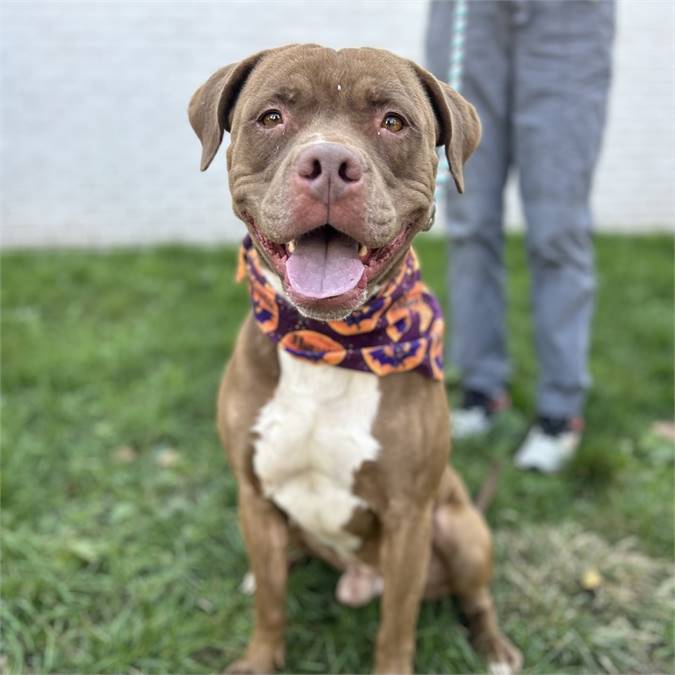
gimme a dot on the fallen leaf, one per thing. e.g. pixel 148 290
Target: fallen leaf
pixel 591 579
pixel 84 549
pixel 205 605
pixel 664 430
pixel 168 458
pixel 125 455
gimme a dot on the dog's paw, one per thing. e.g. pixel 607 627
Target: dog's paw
pixel 247 585
pixel 245 666
pixel 504 657
pixel 242 667
pixel 393 667
pixel 258 660
pixel 358 585
pixel 499 668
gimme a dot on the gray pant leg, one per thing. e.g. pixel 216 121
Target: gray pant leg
pixel 476 272
pixel 437 38
pixel 562 67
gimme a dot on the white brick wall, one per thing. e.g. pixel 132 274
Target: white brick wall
pixel 96 148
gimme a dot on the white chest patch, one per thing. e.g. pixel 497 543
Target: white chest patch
pixel 313 436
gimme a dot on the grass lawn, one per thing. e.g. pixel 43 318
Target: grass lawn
pixel 121 549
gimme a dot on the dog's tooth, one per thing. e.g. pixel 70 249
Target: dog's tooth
pixel 291 246
pixel 363 251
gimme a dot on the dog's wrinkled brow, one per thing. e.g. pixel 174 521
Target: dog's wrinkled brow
pixel 374 93
pixel 286 94
pixel 381 96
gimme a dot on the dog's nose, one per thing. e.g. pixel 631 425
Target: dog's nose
pixel 329 170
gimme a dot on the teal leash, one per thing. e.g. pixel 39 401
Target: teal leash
pixel 457 44
pixel 443 178
pixel 455 73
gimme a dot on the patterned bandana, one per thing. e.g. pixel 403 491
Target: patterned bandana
pixel 399 329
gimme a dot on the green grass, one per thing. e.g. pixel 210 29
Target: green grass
pixel 121 549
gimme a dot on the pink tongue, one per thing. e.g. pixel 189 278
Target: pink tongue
pixel 325 263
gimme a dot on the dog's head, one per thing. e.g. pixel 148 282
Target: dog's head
pixel 332 162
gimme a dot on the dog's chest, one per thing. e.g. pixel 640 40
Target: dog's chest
pixel 312 437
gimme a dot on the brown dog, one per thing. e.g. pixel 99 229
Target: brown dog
pixel 332 165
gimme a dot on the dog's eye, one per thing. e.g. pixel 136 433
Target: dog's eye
pixel 270 118
pixel 393 123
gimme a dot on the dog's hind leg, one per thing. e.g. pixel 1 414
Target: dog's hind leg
pixel 462 545
pixel 478 608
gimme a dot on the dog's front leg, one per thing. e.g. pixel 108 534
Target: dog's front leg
pixel 266 535
pixel 404 557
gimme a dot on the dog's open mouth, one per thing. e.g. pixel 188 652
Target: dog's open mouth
pixel 325 268
pixel 324 263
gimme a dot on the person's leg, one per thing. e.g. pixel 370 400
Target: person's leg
pixel 562 68
pixel 438 37
pixel 476 271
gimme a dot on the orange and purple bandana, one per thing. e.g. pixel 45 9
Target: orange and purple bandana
pixel 399 329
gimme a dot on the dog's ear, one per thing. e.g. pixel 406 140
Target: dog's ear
pixel 212 104
pixel 458 123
